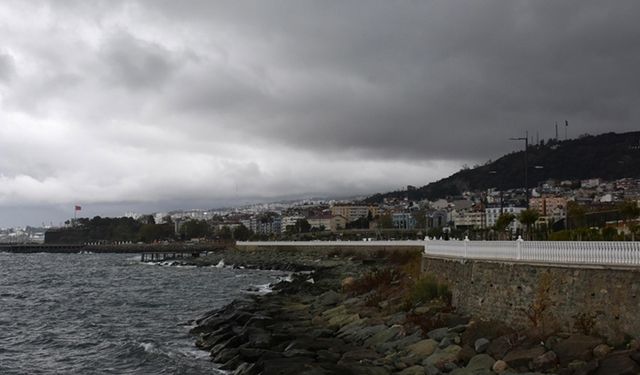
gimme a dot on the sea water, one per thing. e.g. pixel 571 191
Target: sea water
pixel 109 313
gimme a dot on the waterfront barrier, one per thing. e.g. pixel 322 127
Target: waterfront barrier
pixel 588 253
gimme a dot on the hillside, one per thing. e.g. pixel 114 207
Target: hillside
pixel 609 156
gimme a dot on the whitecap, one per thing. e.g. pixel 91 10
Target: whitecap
pixel 261 289
pixel 149 347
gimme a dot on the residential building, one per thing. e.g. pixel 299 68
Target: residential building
pixel 437 219
pixel 469 219
pixel 288 221
pixel 320 222
pixel 546 205
pixel 338 222
pixel 354 212
pixel 493 213
pixel 403 220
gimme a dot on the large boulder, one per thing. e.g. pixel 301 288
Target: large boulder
pixel 521 358
pixel 423 348
pixel 384 336
pixel 499 366
pixel 438 334
pixel 413 370
pixel 481 362
pixel 499 347
pixel 481 345
pixel 576 347
pixel 443 356
pixel 329 298
pixel 545 362
pixel 619 364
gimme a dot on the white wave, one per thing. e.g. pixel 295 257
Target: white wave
pixel 149 347
pixel 286 279
pixel 220 264
pixel 261 289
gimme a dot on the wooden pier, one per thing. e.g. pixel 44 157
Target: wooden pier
pixel 165 256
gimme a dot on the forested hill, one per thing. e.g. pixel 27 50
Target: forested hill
pixel 608 156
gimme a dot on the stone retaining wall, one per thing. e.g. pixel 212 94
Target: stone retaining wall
pixel 554 298
pixel 327 249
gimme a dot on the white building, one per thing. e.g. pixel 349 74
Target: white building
pixel 288 221
pixel 493 213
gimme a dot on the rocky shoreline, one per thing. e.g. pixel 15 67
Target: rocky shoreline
pixel 320 323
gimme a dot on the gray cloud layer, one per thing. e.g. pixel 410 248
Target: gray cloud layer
pixel 161 101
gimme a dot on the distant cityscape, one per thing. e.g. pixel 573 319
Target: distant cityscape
pixel 593 204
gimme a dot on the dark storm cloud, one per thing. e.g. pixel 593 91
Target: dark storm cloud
pixel 137 64
pixel 451 79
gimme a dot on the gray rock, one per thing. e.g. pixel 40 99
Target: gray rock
pixel 399 343
pixel 413 370
pixel 438 334
pixel 576 347
pixel 480 362
pixel 420 310
pixel 500 366
pixel 449 366
pixel 328 356
pixel 329 298
pixel 465 371
pixel 545 362
pixel 246 369
pixel 601 351
pixel 442 356
pixel 447 341
pixel 523 357
pixel 431 370
pixel 458 329
pixel 499 347
pixel 365 333
pixel 619 364
pixel 384 336
pixel 359 355
pixel 397 318
pixel 423 348
pixel 481 345
pixel 588 368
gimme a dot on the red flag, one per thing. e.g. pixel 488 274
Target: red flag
pixel 78 208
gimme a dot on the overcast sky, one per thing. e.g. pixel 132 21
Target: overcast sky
pixel 154 105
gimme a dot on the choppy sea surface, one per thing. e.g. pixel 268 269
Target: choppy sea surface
pixel 109 313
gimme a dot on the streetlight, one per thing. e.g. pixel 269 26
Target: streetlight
pixel 526 161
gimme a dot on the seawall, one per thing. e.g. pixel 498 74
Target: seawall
pixel 346 247
pixel 570 299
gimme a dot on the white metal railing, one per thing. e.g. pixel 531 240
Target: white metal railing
pixel 602 253
pixel 331 243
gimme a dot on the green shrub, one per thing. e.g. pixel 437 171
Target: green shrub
pixel 373 280
pixel 427 289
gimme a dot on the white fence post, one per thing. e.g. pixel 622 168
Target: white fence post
pixel 466 247
pixel 519 242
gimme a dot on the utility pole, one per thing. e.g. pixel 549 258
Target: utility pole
pixel 526 164
pixel 556 131
pixel 566 125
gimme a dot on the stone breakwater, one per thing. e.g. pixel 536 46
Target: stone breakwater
pixel 311 326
